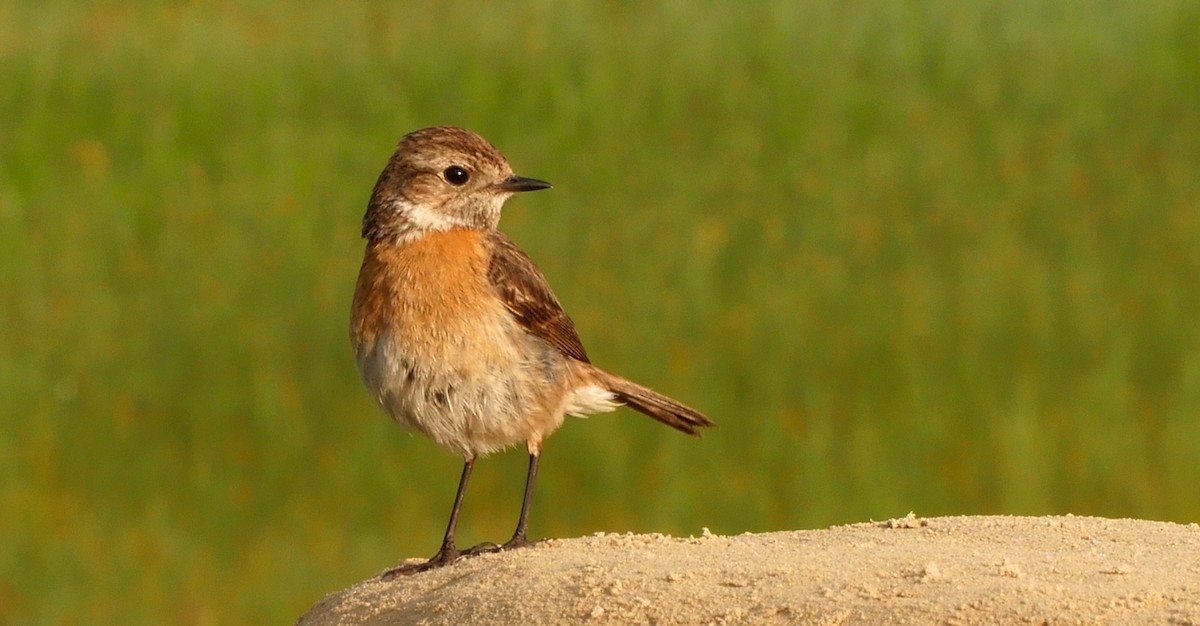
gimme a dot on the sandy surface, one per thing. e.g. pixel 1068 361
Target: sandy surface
pixel 947 570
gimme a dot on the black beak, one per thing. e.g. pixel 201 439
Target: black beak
pixel 520 183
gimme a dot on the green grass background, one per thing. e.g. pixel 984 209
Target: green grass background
pixel 934 256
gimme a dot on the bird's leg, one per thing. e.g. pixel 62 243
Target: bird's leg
pixel 519 539
pixel 448 553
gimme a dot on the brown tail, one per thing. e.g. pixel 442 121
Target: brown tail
pixel 646 400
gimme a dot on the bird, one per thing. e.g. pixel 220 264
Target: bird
pixel 457 333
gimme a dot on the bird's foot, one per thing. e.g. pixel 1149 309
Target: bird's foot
pixel 486 547
pixel 447 555
pixel 518 541
pixel 450 554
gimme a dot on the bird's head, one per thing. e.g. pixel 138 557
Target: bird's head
pixel 441 178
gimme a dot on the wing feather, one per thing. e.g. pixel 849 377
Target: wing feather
pixel 527 294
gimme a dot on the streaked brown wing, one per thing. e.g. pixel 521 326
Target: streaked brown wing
pixel 524 290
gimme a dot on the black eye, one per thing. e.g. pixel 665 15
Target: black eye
pixel 456 175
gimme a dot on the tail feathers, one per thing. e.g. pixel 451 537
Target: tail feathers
pixel 645 400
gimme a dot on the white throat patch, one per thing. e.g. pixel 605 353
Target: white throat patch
pixel 425 218
pixel 420 219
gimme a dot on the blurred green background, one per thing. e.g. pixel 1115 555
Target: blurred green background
pixel 931 256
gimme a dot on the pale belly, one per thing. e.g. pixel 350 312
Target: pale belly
pixel 471 394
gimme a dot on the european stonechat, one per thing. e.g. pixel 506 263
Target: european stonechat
pixel 456 332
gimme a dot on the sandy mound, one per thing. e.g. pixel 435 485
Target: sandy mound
pixel 948 570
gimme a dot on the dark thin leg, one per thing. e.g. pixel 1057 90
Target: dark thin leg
pixel 449 553
pixel 518 539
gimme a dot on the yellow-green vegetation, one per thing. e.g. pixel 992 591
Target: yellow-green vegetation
pixel 935 256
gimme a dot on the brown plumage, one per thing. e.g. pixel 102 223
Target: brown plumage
pixel 527 295
pixel 456 332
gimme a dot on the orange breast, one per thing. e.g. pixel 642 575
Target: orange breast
pixel 430 294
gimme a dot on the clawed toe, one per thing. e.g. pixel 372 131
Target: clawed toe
pixel 488 547
pixel 518 542
pixel 483 548
pixel 444 557
pixel 449 554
